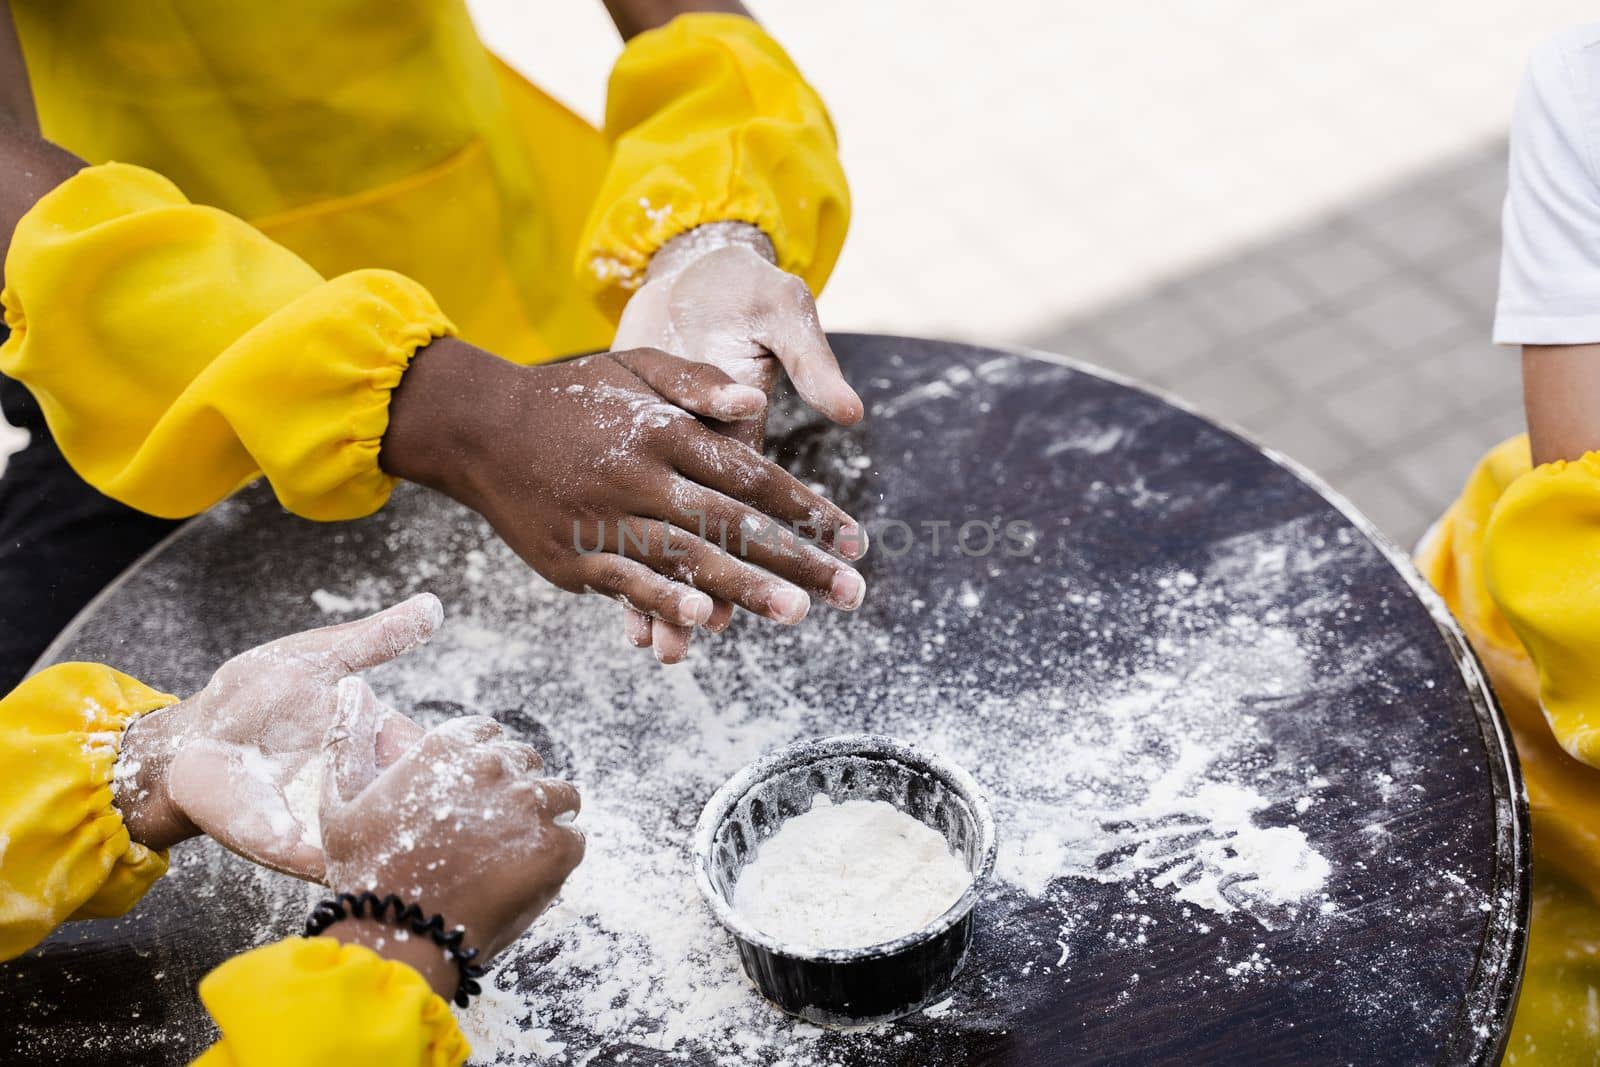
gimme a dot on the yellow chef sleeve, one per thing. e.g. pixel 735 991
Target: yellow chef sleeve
pixel 177 353
pixel 64 852
pixel 1542 566
pixel 709 121
pixel 313 1002
pixel 1483 559
pixel 1472 559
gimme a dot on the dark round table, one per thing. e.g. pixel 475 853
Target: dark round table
pixel 1254 798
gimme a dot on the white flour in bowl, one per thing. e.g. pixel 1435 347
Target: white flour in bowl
pixel 849 875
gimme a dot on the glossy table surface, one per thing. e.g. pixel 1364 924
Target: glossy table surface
pixel 1188 619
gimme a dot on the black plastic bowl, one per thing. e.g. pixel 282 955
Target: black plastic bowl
pixel 853 986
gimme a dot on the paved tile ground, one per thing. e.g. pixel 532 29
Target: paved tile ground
pixel 1358 344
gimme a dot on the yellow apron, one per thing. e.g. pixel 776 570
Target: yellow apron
pixel 305 193
pixel 357 133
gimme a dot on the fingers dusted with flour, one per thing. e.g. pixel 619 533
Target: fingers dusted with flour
pixel 388 635
pixel 358 645
pixel 602 496
pixel 715 295
pixel 463 822
pixel 239 759
pixel 350 747
pixel 696 387
pixel 792 332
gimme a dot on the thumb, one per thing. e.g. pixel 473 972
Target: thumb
pixel 796 338
pixel 350 747
pixel 390 633
pixel 396 735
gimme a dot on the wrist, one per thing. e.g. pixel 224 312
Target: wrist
pixel 139 782
pixel 444 414
pixel 402 946
pixel 708 237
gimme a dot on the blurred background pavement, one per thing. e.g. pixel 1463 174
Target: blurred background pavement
pixel 1285 213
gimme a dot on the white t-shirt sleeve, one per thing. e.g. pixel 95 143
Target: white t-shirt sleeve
pixel 1550 252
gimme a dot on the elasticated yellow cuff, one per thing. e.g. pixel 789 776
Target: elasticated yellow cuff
pixel 306 1002
pixel 305 395
pixel 710 121
pixel 178 353
pixel 66 853
pixel 1542 566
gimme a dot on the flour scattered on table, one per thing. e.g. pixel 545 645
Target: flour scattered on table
pixel 1142 769
pixel 335 604
pixel 1146 705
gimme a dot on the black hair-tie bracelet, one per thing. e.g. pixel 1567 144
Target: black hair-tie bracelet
pixel 408 917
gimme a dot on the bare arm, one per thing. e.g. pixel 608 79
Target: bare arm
pixel 634 17
pixel 16 96
pixel 30 166
pixel 1561 391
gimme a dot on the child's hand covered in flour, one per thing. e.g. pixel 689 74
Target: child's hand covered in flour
pixel 715 295
pixel 223 761
pixel 598 473
pixel 463 823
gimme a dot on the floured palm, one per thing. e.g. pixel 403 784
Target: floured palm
pixel 237 746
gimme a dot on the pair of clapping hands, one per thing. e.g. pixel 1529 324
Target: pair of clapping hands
pixel 638 474
pixel 458 818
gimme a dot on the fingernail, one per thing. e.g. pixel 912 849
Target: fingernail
pixel 432 609
pixel 789 604
pixel 851 541
pixel 347 695
pixel 694 609
pixel 847 590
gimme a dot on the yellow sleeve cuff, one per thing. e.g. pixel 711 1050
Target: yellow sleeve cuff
pixel 64 851
pixel 710 121
pixel 308 1002
pixel 178 353
pixel 1542 566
